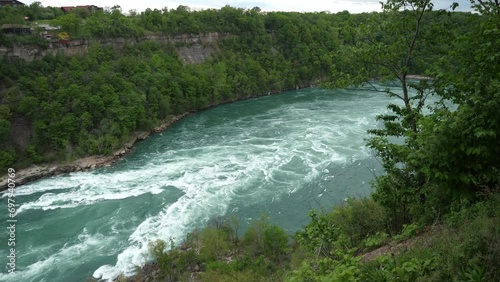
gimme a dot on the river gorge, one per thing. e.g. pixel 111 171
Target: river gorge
pixel 281 155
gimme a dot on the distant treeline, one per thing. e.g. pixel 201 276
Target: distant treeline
pixel 61 108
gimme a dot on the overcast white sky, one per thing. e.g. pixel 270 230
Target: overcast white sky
pixel 353 6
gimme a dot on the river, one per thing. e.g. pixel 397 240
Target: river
pixel 281 155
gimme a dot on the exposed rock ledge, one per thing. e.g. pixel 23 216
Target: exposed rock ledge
pixel 193 48
pixel 40 171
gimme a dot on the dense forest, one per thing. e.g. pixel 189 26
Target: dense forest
pixel 67 107
pixel 438 198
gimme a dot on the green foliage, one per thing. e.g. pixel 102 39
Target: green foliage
pixel 5 127
pixel 70 23
pixel 320 235
pixel 465 252
pixel 7 159
pixel 438 166
pixel 392 270
pixel 275 243
pixel 409 230
pixel 358 219
pixel 221 257
pixel 344 228
pixel 376 240
pixel 468 251
pixel 240 276
pixel 92 104
pixel 10 15
pixel 174 263
pixel 346 268
pixel 262 238
pixel 442 165
pixel 433 160
pixel 214 244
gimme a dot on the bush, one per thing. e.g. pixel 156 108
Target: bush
pixel 358 219
pixel 174 263
pixel 275 243
pixel 214 244
pixel 240 276
pixel 379 239
pixel 472 248
pixel 7 159
pixel 253 239
pixel 468 251
pixel 344 228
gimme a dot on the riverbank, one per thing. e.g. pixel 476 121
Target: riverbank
pixel 265 253
pixel 36 172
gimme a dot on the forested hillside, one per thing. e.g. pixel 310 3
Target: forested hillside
pixel 434 214
pixel 61 108
pixel 435 210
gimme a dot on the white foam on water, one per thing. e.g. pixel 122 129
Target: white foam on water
pixel 173 223
pixel 91 188
pixel 216 175
pixel 241 162
pixel 67 255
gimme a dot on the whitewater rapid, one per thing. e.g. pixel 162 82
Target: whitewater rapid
pixel 254 156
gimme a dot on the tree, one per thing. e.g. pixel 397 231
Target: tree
pixel 36 10
pixel 9 15
pixel 458 150
pixel 446 155
pixel 69 22
pixel 386 47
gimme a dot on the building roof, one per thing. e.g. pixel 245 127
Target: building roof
pixel 88 7
pixel 67 8
pixel 6 26
pixel 13 3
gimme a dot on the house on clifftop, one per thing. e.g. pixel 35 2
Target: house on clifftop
pixel 90 8
pixel 15 29
pixel 12 3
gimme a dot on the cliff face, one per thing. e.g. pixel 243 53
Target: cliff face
pixel 193 49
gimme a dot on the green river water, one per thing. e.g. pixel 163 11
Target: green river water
pixel 281 155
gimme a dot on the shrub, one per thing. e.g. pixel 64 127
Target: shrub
pixel 7 159
pixel 345 228
pixel 240 276
pixel 379 239
pixel 214 244
pixel 253 239
pixel 358 219
pixel 409 230
pixel 275 243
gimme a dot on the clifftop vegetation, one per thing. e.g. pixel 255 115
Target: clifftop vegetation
pixel 442 175
pixel 60 109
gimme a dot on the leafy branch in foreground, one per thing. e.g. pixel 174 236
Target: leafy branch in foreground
pixel 388 48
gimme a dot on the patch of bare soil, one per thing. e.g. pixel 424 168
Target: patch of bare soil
pixel 423 239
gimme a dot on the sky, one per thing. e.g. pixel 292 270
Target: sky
pixel 334 6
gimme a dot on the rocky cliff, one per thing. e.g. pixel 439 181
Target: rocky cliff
pixel 192 48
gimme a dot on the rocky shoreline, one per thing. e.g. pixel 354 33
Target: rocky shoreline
pixel 36 172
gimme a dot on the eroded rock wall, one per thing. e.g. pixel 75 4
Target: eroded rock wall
pixel 194 49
